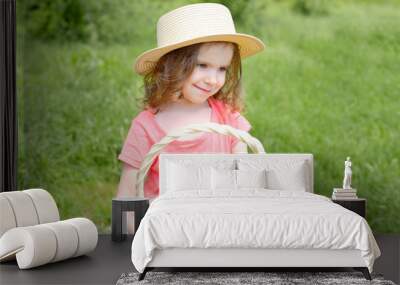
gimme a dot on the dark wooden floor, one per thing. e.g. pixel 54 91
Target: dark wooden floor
pixel 102 266
pixel 110 260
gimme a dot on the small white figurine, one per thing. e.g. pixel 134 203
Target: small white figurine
pixel 347 174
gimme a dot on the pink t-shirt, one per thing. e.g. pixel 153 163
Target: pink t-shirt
pixel 145 131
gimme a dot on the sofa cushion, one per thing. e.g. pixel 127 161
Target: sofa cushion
pixel 40 244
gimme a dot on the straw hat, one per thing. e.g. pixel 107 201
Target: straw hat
pixel 196 23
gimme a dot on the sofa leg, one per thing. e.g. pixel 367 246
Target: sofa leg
pixel 143 274
pixel 364 271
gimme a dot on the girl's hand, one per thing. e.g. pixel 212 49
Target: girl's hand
pixel 127 182
pixel 127 188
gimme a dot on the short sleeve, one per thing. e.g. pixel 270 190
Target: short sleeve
pixel 136 145
pixel 241 123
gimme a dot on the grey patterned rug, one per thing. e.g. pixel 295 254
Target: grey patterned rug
pixel 231 278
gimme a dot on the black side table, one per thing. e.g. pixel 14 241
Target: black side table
pixel 356 205
pixel 118 220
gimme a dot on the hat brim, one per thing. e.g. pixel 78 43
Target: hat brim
pixel 248 45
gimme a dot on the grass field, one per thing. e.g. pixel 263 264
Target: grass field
pixel 327 84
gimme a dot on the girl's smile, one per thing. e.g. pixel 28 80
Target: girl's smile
pixel 207 91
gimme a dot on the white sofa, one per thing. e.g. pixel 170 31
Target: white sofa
pixel 31 231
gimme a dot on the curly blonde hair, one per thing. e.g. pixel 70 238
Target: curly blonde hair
pixel 164 81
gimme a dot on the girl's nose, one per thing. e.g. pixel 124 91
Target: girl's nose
pixel 211 78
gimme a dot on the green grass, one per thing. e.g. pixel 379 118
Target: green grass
pixel 326 84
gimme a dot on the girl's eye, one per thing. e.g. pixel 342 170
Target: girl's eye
pixel 203 65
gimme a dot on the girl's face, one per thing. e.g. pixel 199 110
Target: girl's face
pixel 208 76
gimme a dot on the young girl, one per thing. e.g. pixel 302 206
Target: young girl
pixel 194 76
